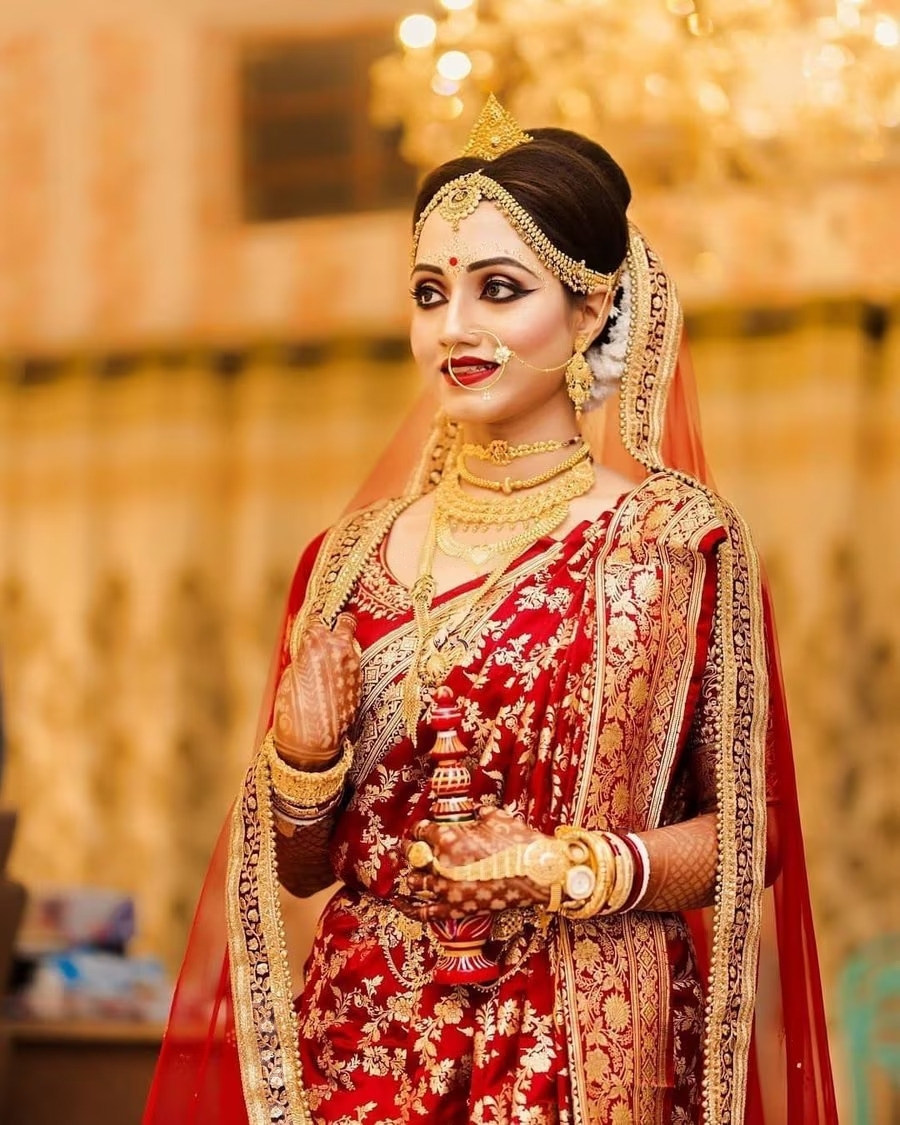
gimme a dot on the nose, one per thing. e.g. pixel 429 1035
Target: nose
pixel 458 327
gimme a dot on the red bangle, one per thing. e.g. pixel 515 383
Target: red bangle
pixel 638 887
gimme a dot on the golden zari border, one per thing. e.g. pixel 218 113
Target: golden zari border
pixel 265 1020
pixel 614 994
pixel 568 991
pixel 583 1107
pixel 342 556
pixel 741 827
pixel 648 958
pixel 651 362
pixel 651 355
pixel 690 527
pixel 687 516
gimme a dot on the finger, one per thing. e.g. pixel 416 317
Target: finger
pixel 419 854
pixel 346 625
pixel 415 881
pixel 426 830
pixel 434 911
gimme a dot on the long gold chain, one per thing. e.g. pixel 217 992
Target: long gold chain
pixel 502 453
pixel 439 646
pixel 513 484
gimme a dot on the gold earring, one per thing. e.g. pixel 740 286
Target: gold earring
pixel 579 377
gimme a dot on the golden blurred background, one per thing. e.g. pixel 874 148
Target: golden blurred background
pixel 203 248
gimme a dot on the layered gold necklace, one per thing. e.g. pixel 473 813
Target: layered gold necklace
pixel 509 485
pixel 439 644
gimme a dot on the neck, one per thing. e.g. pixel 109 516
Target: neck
pixel 559 426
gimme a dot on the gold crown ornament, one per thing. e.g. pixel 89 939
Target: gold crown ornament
pixel 496 132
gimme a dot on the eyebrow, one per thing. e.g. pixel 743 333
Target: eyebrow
pixel 423 267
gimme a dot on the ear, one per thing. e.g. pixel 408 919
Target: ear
pixel 593 314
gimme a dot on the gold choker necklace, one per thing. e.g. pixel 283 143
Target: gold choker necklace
pixel 502 453
pixel 511 484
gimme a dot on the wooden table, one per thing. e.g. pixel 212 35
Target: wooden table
pixel 75 1073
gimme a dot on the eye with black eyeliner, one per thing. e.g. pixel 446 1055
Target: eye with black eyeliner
pixel 497 290
pixel 513 290
pixel 423 293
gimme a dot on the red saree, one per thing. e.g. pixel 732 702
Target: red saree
pixel 625 678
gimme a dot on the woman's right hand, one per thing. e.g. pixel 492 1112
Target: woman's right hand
pixel 318 695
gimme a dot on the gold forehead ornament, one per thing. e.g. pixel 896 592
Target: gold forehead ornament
pixel 495 132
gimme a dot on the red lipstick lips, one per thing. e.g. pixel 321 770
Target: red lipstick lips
pixel 468 370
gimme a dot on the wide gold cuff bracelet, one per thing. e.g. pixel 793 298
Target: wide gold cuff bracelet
pixel 602 861
pixel 307 790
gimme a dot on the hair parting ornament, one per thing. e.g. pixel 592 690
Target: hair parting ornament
pixel 496 132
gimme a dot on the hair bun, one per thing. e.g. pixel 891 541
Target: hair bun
pixel 569 185
pixel 614 178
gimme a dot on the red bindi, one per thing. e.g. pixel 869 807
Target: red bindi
pixel 454 261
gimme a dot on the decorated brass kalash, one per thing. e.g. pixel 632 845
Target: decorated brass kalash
pixel 462 959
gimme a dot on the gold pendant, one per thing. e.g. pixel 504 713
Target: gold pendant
pixel 442 653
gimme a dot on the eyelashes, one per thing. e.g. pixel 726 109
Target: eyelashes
pixel 419 293
pixel 497 290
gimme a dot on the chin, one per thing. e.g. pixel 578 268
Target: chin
pixel 470 406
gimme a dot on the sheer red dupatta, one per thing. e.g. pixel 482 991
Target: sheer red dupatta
pixel 198 1076
pixel 790 1080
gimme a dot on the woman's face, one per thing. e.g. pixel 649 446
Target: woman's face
pixel 478 286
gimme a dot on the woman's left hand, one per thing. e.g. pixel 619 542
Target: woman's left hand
pixel 494 830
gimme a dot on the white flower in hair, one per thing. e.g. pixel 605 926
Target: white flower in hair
pixel 607 360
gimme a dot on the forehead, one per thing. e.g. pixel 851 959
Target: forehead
pixel 483 234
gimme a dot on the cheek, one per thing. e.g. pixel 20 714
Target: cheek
pixel 421 338
pixel 540 331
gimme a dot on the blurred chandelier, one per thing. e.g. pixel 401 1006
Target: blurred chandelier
pixel 679 90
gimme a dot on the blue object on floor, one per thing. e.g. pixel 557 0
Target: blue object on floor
pixel 870 1003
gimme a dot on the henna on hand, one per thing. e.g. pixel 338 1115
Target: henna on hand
pixel 444 898
pixel 317 695
pixel 454 845
pixel 302 854
pixel 683 859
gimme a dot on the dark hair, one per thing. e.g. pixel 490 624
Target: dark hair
pixel 572 188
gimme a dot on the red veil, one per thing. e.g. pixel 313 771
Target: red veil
pixel 783 1062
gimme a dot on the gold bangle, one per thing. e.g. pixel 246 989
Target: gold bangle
pixel 300 814
pixel 602 860
pixel 555 903
pixel 624 874
pixel 306 789
pixel 544 861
